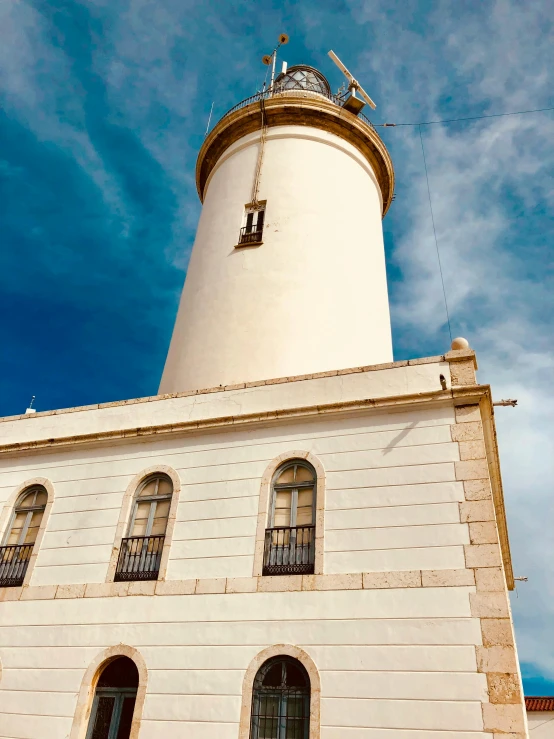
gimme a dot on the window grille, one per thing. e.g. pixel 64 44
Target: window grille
pixel 141 551
pixel 21 536
pixel 281 701
pixel 114 701
pixel 252 231
pixel 290 537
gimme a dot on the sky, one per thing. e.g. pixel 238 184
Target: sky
pixel 103 107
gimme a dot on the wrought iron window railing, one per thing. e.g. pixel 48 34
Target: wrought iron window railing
pixel 248 235
pixel 289 550
pixel 280 713
pixel 139 558
pixel 14 560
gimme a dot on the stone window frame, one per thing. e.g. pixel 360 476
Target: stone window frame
pixel 280 650
pixel 127 510
pixel 88 688
pixel 8 510
pixel 265 502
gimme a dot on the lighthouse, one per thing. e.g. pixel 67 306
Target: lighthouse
pixel 298 538
pixel 287 273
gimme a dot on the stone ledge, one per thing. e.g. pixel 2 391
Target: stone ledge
pixel 483 532
pixel 235 585
pixel 503 688
pixel 462 372
pixel 490 579
pixel 503 718
pixel 403 579
pixel 477 489
pixel 447 578
pixel 497 632
pixel 468 413
pixel 461 355
pixel 489 605
pixel 332 582
pixel 469 431
pixel 471 469
pixel 471 449
pixel 496 659
pixel 482 555
pixel 70 591
pixel 476 510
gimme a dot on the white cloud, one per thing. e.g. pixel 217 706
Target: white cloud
pixel 490 184
pixel 490 180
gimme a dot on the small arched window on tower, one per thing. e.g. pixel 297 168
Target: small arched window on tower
pixel 290 537
pixel 111 716
pixel 251 234
pixel 141 551
pixel 21 536
pixel 281 700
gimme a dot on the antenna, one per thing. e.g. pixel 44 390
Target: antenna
pixel 353 85
pixel 30 409
pixel 268 59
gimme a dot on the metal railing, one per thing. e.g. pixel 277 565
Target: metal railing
pixel 289 550
pixel 139 558
pixel 336 99
pixel 14 560
pixel 250 236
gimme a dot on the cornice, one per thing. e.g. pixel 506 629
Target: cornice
pixel 493 460
pixel 460 395
pixel 294 110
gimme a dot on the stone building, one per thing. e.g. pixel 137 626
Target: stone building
pixel 298 537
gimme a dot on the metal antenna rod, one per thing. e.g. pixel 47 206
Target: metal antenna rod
pixel 273 66
pixel 283 39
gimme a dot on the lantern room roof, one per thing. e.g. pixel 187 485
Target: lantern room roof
pixel 302 77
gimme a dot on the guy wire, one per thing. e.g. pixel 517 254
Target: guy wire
pixel 457 120
pixel 435 233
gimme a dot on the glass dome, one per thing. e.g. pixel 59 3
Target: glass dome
pixel 302 77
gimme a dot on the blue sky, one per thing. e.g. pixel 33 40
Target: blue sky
pixel 103 109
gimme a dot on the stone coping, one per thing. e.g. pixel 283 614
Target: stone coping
pixel 453 356
pixel 458 395
pixel 234 585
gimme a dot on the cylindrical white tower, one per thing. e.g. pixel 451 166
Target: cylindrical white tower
pixel 287 274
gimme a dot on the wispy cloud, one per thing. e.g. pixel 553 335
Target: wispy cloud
pixel 491 192
pixel 104 108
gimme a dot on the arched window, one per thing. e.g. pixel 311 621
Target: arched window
pixel 21 536
pixel 290 536
pixel 141 550
pixel 114 701
pixel 281 700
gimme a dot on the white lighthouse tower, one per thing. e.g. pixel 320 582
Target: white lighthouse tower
pixel 287 274
pixel 298 538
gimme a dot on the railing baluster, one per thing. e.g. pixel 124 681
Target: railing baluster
pixel 252 236
pixel 14 559
pixel 139 558
pixel 289 550
pixel 337 100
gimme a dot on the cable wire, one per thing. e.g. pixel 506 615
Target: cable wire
pixel 435 234
pixel 471 118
